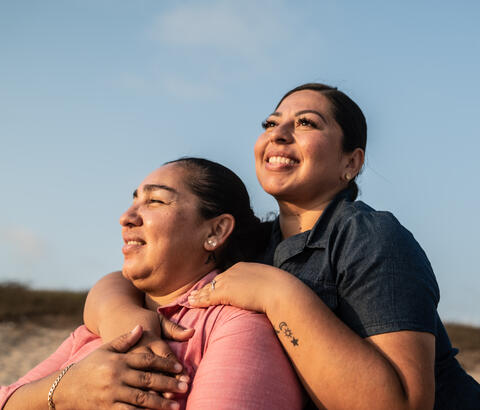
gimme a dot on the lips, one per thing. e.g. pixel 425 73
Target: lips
pixel 132 244
pixel 280 161
pixel 139 243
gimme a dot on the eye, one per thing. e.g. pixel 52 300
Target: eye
pixel 268 124
pixel 154 201
pixel 306 122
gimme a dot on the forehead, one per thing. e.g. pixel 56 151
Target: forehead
pixel 170 175
pixel 305 100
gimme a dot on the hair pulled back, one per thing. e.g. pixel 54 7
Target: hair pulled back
pixel 220 191
pixel 348 116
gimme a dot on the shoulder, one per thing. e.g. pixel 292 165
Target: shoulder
pixel 239 340
pixel 360 218
pixel 235 319
pixel 384 278
pixel 360 227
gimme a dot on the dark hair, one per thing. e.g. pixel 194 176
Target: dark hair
pixel 221 191
pixel 348 116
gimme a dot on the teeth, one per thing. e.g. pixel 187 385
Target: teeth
pixel 281 160
pixel 134 243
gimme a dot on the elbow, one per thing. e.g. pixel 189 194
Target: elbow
pixel 377 399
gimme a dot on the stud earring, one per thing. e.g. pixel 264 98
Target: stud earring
pixel 212 242
pixel 348 177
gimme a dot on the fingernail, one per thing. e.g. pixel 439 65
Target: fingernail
pixel 182 386
pixel 193 292
pixel 177 367
pixel 174 406
pixel 184 378
pixel 134 329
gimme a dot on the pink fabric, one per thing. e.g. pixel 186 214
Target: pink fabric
pixel 234 359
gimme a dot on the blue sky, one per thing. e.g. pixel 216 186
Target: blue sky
pixel 96 94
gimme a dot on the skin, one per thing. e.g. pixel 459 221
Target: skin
pixel 338 368
pixel 303 131
pixel 157 233
pixel 116 384
pixel 157 229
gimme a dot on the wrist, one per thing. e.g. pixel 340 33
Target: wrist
pixel 58 393
pixel 279 284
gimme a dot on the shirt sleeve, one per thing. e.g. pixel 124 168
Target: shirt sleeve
pixel 385 282
pixel 48 366
pixel 244 367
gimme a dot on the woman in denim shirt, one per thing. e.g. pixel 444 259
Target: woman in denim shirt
pixel 348 290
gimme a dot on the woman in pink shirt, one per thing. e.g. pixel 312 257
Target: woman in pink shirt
pixel 189 218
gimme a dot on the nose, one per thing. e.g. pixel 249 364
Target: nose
pixel 131 217
pixel 281 134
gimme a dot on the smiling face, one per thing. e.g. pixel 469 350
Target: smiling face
pixel 299 158
pixel 164 234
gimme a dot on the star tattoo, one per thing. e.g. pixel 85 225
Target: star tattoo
pixel 287 332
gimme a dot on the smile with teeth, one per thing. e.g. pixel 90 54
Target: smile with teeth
pixel 135 243
pixel 282 160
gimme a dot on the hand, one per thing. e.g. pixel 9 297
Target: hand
pixel 245 285
pixel 112 377
pixel 151 343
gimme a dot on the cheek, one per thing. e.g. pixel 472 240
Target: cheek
pixel 319 151
pixel 259 147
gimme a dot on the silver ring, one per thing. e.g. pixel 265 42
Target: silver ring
pixel 212 283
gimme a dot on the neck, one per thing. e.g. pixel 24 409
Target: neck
pixel 299 217
pixel 154 301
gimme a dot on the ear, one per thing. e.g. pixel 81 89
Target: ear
pixel 220 229
pixel 355 160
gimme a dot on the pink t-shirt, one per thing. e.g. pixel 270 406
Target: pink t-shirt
pixel 234 359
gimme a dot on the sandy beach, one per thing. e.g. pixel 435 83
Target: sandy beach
pixel 25 344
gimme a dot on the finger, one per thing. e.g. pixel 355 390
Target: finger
pixel 206 296
pixel 143 361
pixel 147 380
pixel 174 331
pixel 142 398
pixel 181 377
pixel 125 406
pixel 124 342
pixel 162 349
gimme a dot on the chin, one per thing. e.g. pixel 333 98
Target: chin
pixel 134 274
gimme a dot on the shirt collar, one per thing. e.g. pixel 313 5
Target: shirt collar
pixel 320 232
pixel 182 300
pixel 279 250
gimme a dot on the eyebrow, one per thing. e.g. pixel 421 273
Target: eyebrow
pixel 279 114
pixel 311 112
pixel 155 187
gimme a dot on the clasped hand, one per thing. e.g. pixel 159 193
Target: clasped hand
pixel 113 376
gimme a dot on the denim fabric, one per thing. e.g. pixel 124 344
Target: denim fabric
pixel 374 275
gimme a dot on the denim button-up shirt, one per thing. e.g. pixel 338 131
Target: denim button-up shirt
pixel 372 273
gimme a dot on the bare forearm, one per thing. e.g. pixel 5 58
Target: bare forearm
pixel 33 396
pixel 337 367
pixel 113 307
